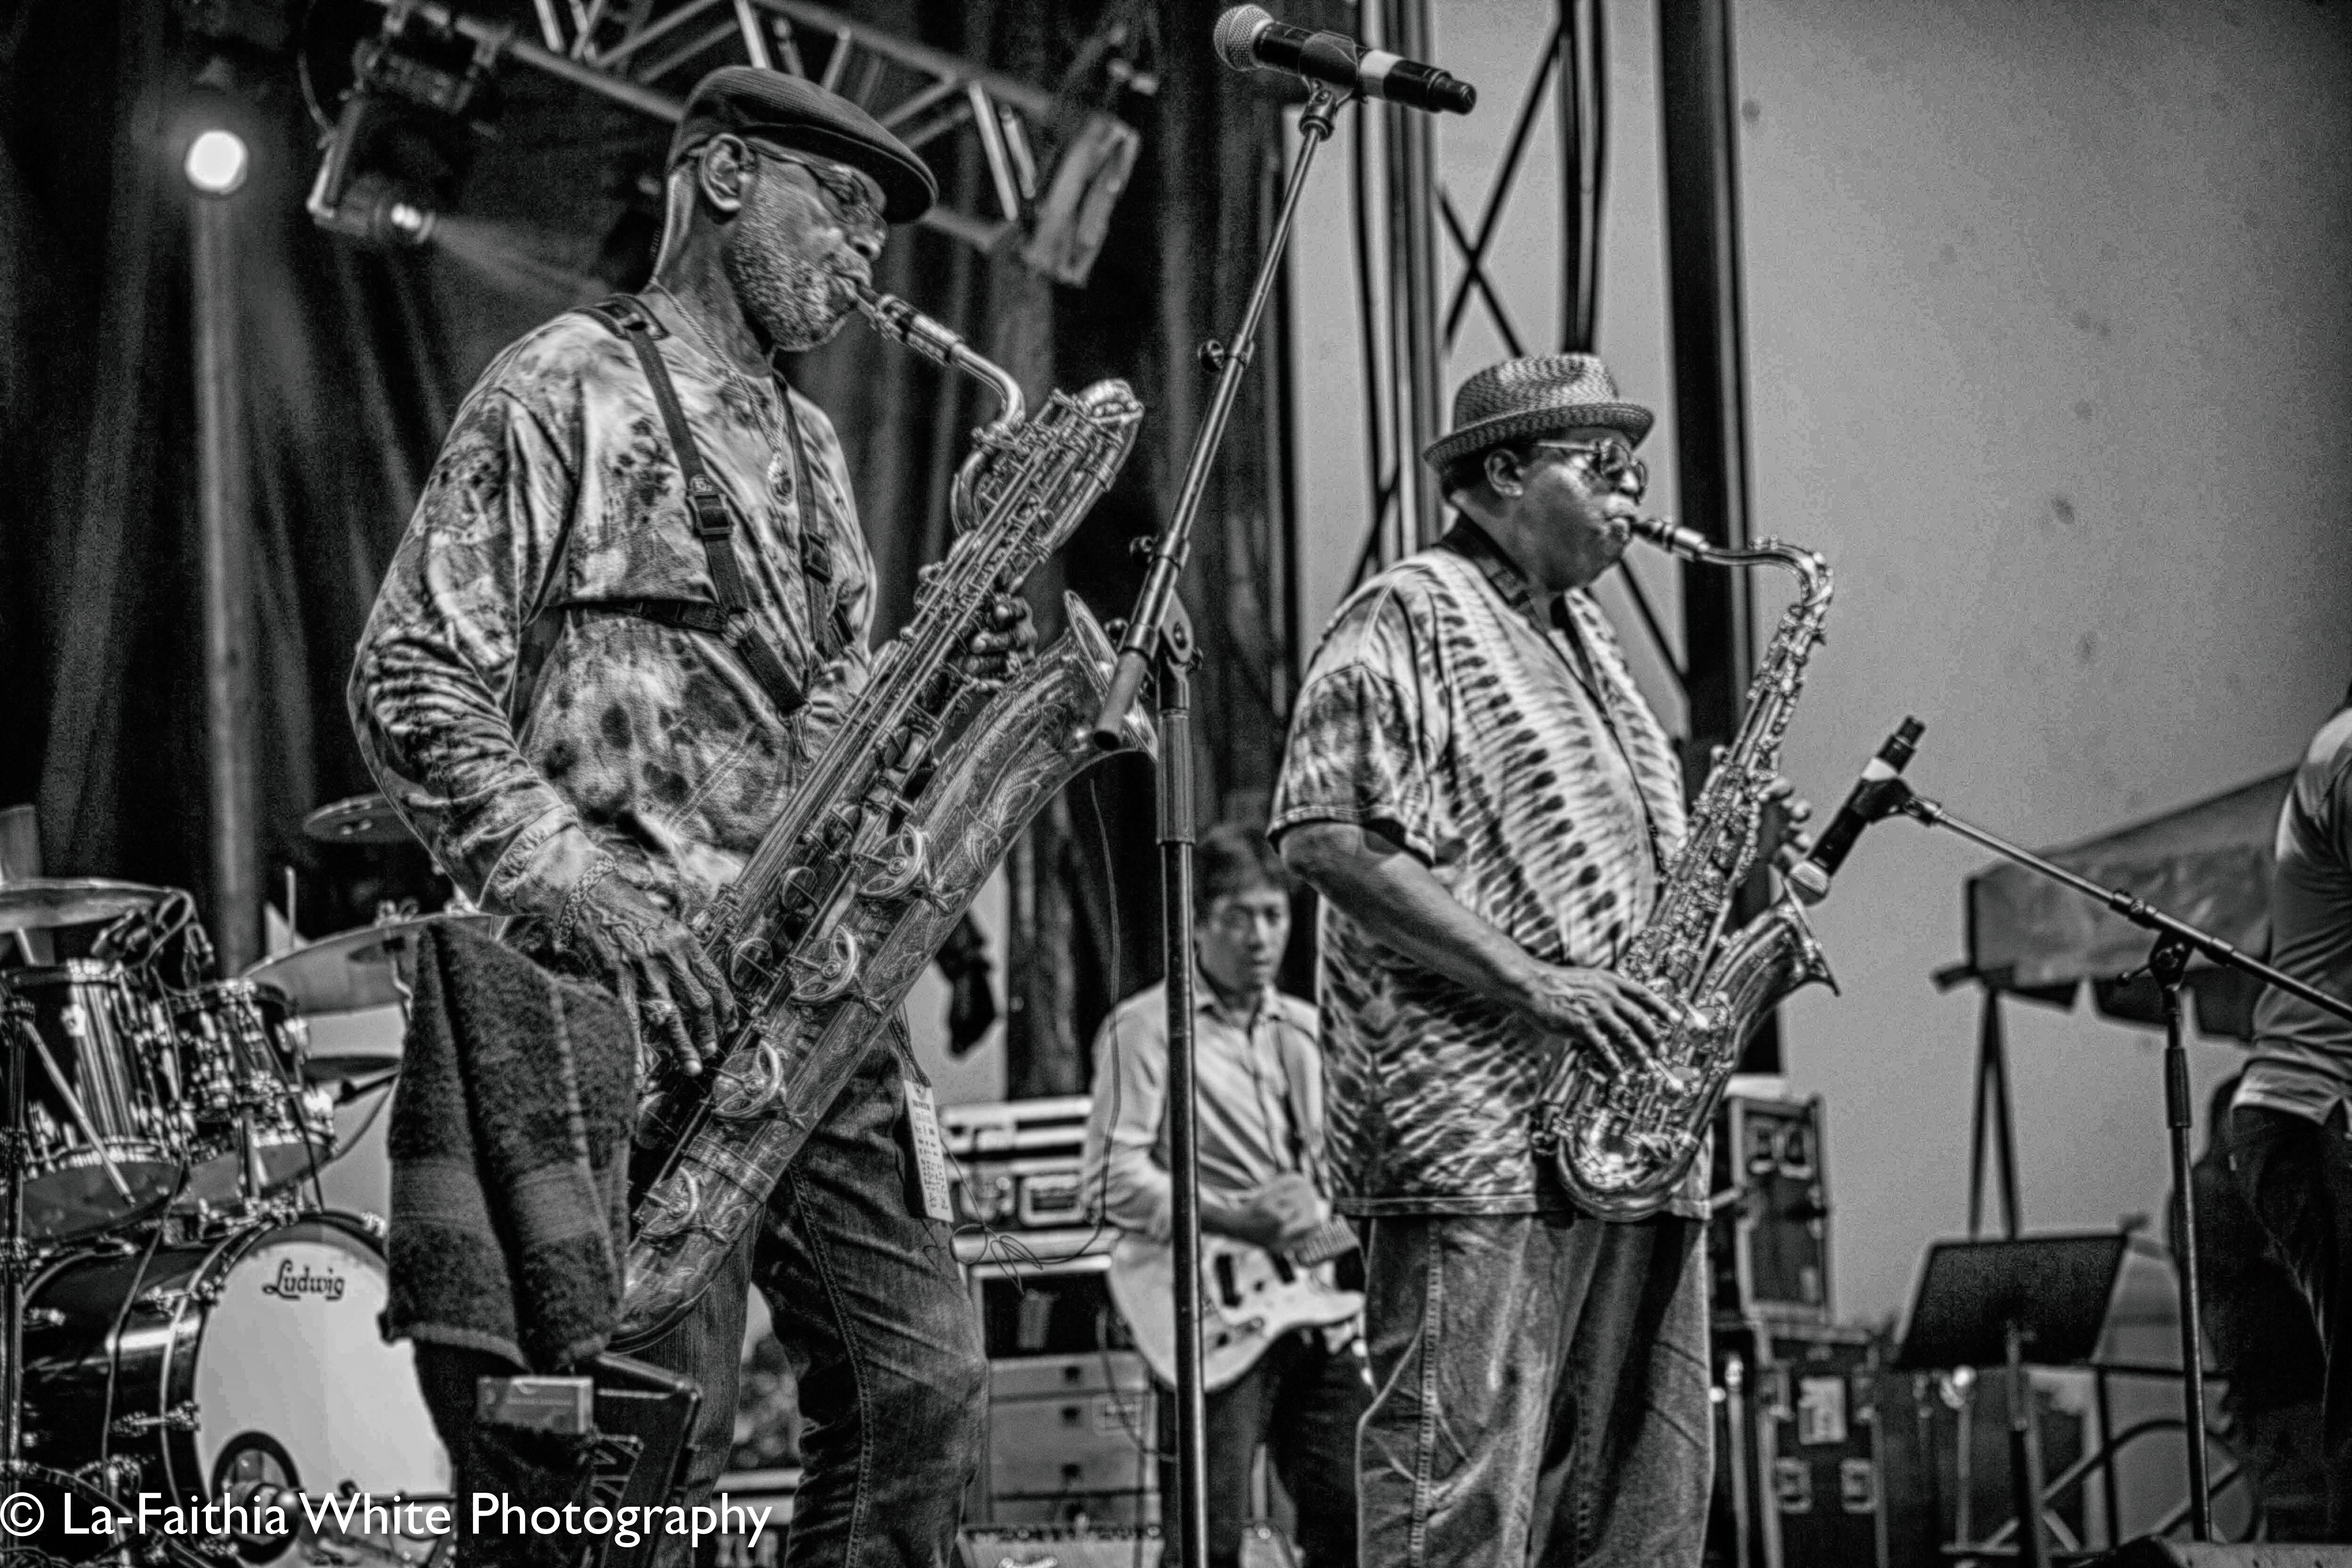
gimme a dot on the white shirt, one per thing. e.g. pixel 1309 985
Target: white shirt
pixel 1260 1093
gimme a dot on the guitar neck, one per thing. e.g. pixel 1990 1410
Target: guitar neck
pixel 1335 1238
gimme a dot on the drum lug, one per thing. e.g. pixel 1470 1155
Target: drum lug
pixel 372 1223
pixel 181 1417
pixel 117 1477
pixel 44 1318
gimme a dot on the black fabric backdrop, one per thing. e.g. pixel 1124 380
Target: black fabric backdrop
pixel 353 362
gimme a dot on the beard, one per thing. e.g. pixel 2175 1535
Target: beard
pixel 788 296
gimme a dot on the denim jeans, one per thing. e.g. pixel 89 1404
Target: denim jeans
pixel 1539 1392
pixel 1301 1401
pixel 2297 1175
pixel 875 1319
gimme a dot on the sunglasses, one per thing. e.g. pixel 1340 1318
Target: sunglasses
pixel 1609 463
pixel 844 190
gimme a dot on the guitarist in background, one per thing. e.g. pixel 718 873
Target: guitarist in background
pixel 1261 1133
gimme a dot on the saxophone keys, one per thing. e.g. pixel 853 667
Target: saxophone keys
pixel 893 870
pixel 750 1093
pixel 829 976
pixel 664 1216
pixel 748 960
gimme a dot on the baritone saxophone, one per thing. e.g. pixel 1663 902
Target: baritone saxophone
pixel 887 838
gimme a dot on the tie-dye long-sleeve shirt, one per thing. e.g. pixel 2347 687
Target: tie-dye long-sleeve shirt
pixel 556 493
pixel 1518 761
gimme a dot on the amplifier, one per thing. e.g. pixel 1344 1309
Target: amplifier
pixel 1071 1418
pixel 1768 1240
pixel 1798 1480
pixel 1071 1441
pixel 1013 1164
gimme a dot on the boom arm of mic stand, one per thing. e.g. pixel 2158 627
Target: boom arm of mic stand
pixel 1174 544
pixel 1900 797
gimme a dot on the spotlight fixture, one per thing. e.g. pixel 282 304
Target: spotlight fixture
pixel 416 70
pixel 218 161
pixel 377 212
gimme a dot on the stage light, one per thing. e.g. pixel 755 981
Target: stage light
pixel 375 211
pixel 218 161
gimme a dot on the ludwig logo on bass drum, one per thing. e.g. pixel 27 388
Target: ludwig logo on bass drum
pixel 293 1283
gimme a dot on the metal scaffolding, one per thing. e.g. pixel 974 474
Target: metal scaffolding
pixel 1056 169
pixel 1406 335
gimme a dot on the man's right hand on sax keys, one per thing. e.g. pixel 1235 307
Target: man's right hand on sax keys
pixel 676 998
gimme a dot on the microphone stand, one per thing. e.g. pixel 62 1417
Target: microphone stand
pixel 1158 634
pixel 2167 962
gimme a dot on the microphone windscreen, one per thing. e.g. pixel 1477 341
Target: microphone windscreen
pixel 1236 36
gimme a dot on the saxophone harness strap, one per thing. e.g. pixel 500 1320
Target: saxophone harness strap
pixel 729 618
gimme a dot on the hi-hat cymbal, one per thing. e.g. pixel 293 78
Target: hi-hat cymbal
pixel 364 967
pixel 44 904
pixel 362 819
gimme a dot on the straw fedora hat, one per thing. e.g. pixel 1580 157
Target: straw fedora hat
pixel 1536 396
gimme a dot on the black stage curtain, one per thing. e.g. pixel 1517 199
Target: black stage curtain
pixel 353 362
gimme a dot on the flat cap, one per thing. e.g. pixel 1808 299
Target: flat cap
pixel 790 111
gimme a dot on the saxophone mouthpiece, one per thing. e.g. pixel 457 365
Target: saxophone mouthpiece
pixel 1664 534
pixel 902 324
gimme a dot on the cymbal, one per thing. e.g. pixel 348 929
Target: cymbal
pixel 362 819
pixel 43 904
pixel 365 967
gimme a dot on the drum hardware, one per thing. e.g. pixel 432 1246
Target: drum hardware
pixel 361 968
pixel 167 1302
pixel 81 1118
pixel 361 820
pixel 47 903
pixel 231 1363
pixel 258 1123
pixel 104 1139
pixel 179 1418
pixel 172 1317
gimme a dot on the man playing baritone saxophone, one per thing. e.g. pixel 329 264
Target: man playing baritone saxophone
pixel 1486 804
pixel 590 709
pixel 1260 1092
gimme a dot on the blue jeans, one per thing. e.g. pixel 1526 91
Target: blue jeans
pixel 877 1325
pixel 1539 1392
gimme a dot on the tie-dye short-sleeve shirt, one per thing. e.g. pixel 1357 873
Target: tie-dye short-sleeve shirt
pixel 1519 762
pixel 556 503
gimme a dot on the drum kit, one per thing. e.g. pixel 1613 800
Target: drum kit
pixel 183 1314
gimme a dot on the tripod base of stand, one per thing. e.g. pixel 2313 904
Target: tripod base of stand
pixel 2002 1303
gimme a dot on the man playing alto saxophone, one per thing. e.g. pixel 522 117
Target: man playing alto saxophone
pixel 588 696
pixel 1486 803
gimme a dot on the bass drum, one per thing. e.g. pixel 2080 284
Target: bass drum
pixel 249 1358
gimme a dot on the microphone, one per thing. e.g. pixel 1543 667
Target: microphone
pixel 1810 877
pixel 1248 39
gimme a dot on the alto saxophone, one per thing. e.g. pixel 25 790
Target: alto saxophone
pixel 1623 1144
pixel 887 840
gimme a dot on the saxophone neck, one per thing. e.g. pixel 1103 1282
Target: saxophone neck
pixel 942 345
pixel 1692 546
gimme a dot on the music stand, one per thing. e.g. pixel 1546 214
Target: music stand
pixel 1985 1303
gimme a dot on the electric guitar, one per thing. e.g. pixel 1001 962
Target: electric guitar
pixel 1249 1298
